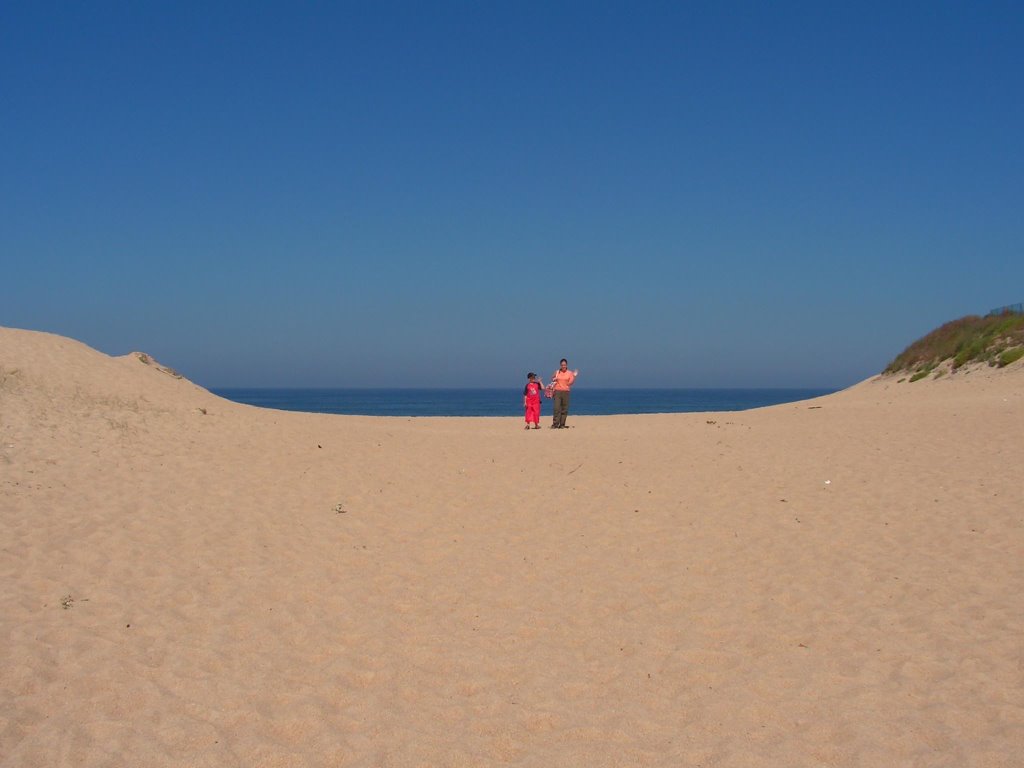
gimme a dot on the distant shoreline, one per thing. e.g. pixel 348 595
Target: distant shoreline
pixel 507 401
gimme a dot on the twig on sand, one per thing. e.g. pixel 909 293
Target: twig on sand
pixel 573 470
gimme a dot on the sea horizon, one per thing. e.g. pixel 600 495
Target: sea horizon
pixel 507 401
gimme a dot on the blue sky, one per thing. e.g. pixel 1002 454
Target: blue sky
pixel 451 194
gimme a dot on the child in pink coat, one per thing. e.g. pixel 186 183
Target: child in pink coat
pixel 531 400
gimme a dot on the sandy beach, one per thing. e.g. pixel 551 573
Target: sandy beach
pixel 192 582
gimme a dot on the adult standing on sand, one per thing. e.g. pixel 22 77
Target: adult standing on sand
pixel 562 381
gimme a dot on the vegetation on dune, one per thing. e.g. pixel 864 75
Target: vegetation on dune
pixel 996 339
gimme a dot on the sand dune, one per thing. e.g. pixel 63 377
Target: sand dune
pixel 193 582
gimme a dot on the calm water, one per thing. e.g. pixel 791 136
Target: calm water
pixel 509 402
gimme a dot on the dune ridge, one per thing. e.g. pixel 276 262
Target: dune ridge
pixel 189 581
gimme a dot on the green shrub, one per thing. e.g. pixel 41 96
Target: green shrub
pixel 1010 356
pixel 967 340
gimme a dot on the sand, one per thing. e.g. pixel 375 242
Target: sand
pixel 192 582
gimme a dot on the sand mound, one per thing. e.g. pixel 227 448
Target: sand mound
pixel 42 367
pixel 835 582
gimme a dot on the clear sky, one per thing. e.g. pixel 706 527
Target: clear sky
pixel 450 194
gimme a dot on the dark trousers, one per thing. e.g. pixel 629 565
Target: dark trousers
pixel 561 405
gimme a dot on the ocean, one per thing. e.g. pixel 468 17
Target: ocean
pixel 509 402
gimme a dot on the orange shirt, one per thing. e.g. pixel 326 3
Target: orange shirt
pixel 564 380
